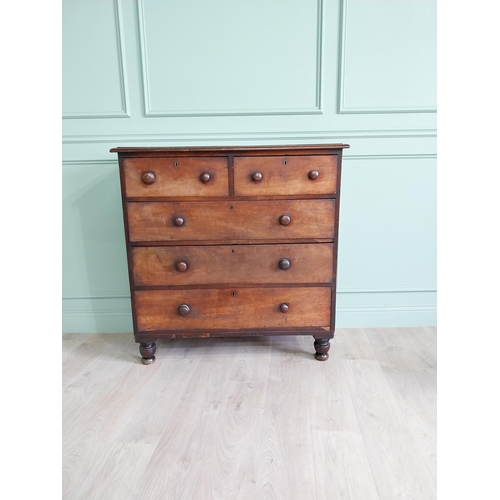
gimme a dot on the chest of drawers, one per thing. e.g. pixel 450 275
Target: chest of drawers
pixel 234 241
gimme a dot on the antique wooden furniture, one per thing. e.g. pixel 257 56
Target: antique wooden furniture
pixel 232 241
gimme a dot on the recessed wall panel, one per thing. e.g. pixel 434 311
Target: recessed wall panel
pixel 266 60
pixel 388 56
pixel 94 80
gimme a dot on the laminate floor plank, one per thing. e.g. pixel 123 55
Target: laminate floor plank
pixel 93 349
pixel 338 445
pixel 330 401
pixel 251 360
pixel 231 458
pixel 408 361
pixel 352 343
pixel 286 457
pixel 145 420
pixel 343 469
pixel 119 351
pixel 421 417
pixel 251 418
pixel 69 344
pixel 178 459
pixel 399 470
pixel 118 468
pixel 87 436
pixel 426 340
pixel 404 349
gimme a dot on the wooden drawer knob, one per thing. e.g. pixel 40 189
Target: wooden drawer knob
pixel 178 221
pixel 285 220
pixel 284 264
pixel 183 310
pixel 313 175
pixel 181 266
pixel 148 177
pixel 257 176
pixel 284 308
pixel 205 177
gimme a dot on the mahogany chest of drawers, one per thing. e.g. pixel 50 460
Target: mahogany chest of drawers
pixel 232 241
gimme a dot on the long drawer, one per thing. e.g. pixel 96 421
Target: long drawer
pixel 231 220
pixel 233 264
pixel 231 308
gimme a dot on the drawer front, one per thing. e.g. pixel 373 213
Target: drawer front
pixel 233 264
pixel 244 308
pixel 231 221
pixel 285 175
pixel 160 177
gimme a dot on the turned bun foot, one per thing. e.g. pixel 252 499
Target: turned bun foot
pixel 147 350
pixel 322 347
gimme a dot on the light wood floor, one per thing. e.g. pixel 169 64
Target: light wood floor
pixel 248 419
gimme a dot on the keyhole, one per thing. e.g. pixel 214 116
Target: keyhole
pixel 284 163
pixel 232 250
pixel 232 207
pixel 176 164
pixel 233 293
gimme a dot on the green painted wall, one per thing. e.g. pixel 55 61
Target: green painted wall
pixel 227 72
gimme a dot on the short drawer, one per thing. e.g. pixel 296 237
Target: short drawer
pixel 231 220
pixel 169 177
pixel 233 308
pixel 233 264
pixel 285 175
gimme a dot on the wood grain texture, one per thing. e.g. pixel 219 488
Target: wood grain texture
pixel 250 418
pixel 111 357
pixel 285 175
pixel 144 421
pixel 285 455
pixel 176 177
pixel 71 342
pixel 180 454
pixel 231 463
pixel 121 405
pixel 336 435
pixel 408 361
pixel 87 436
pixel 249 264
pixel 331 407
pixel 233 308
pixel 345 467
pixel 353 344
pixel 398 467
pixel 410 350
pixel 232 220
pixel 116 471
pixel 80 359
